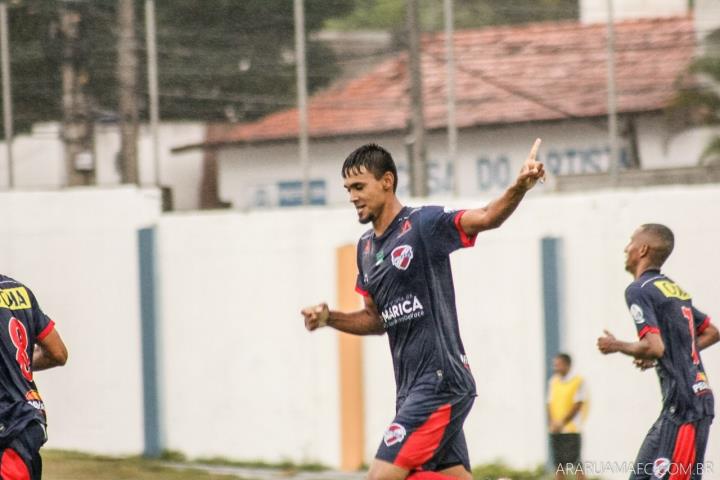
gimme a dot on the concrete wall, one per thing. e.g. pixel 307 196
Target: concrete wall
pixel 488 159
pixel 241 378
pixel 245 276
pixel 77 251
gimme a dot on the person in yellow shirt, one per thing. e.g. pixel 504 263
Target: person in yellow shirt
pixel 566 398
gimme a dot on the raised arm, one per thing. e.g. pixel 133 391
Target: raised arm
pixel 362 322
pixel 649 347
pixel 49 352
pixel 497 211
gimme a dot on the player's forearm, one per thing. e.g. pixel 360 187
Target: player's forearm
pixel 495 213
pixel 643 350
pixel 709 336
pixel 362 322
pixel 42 360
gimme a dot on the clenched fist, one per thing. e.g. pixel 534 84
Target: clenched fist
pixel 316 316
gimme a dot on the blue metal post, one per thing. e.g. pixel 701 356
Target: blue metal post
pixel 149 331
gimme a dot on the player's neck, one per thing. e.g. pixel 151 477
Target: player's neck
pixel 645 267
pixel 388 214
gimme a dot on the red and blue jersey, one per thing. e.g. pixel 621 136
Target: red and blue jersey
pixel 22 324
pixel 407 273
pixel 658 305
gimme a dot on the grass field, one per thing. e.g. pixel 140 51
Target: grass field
pixel 64 465
pixel 61 465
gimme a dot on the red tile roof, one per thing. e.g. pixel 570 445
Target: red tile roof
pixel 508 74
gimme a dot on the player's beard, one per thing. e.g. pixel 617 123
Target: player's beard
pixel 364 221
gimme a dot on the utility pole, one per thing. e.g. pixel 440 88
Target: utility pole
pixel 302 98
pixel 416 140
pixel 77 123
pixel 6 92
pixel 614 160
pixel 127 99
pixel 452 130
pixel 153 89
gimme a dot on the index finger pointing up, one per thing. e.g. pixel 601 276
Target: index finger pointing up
pixel 534 150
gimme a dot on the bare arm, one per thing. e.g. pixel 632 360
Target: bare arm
pixel 708 337
pixel 497 211
pixel 362 322
pixel 49 352
pixel 650 347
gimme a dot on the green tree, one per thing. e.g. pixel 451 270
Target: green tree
pixel 697 102
pixel 218 60
pixel 390 14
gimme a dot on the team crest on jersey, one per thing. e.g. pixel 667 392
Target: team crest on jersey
pixel 394 434
pixel 660 467
pixel 402 256
pixel 637 313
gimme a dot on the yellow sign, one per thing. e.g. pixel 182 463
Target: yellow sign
pixel 15 298
pixel 671 290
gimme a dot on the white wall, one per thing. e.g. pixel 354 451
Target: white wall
pixel 38 159
pixel 77 251
pixel 488 158
pixel 241 378
pixel 592 11
pixel 245 277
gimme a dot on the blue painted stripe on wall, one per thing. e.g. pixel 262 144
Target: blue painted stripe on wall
pixel 148 315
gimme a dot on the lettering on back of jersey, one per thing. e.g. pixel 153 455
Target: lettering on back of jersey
pixel 15 298
pixel 671 290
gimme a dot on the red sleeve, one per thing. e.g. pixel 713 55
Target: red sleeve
pixel 46 331
pixel 701 328
pixel 648 329
pixel 465 239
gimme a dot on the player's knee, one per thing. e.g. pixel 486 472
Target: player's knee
pixel 462 475
pixel 380 470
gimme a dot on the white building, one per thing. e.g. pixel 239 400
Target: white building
pixel 514 83
pixel 38 159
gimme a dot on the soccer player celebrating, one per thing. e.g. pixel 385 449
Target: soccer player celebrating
pixel 28 342
pixel 406 281
pixel 671 334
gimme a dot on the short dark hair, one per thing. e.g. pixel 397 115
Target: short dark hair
pixel 565 358
pixel 666 242
pixel 374 158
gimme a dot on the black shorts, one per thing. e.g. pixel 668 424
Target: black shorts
pixel 565 449
pixel 426 433
pixel 673 450
pixel 20 459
